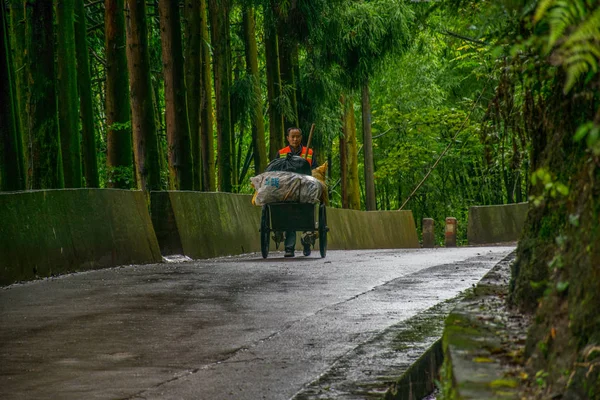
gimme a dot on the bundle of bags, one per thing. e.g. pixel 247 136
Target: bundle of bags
pixel 289 180
pixel 284 186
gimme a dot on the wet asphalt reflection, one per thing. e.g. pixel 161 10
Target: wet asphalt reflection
pixel 228 328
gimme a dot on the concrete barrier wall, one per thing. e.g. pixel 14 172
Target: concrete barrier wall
pixel 219 224
pixel 351 229
pixel 496 224
pixel 44 233
pixel 208 224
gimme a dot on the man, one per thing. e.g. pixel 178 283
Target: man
pixel 294 138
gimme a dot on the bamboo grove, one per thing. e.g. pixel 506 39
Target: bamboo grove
pixel 197 95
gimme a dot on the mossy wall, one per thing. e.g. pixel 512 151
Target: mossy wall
pixel 220 224
pixel 209 224
pixel 562 268
pixel 45 233
pixel 50 232
pixel 556 273
pixel 351 229
pixel 496 224
pixel 163 220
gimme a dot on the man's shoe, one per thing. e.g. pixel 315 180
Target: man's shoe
pixel 289 252
pixel 306 250
pixel 277 238
pixel 307 240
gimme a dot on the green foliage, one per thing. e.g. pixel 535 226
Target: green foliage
pixel 360 35
pixel 421 95
pixel 120 174
pixel 573 30
pixel 420 137
pixel 591 133
pixel 541 375
pixel 118 126
pixel 562 286
pixel 550 186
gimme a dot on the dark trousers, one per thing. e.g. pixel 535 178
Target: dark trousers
pixel 290 239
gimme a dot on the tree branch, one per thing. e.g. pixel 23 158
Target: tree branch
pixel 97 57
pixel 97 26
pixel 93 3
pixel 466 38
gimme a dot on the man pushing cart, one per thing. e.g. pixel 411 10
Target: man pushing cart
pixel 289 196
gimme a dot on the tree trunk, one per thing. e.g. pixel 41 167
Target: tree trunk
pixel 12 176
pixel 193 76
pixel 86 109
pixel 258 124
pixel 47 172
pixel 145 141
pixel 68 107
pixel 368 147
pixel 288 80
pixel 119 160
pixel 19 74
pixel 352 178
pixel 219 13
pixel 298 93
pixel 206 108
pixel 276 132
pixel 343 154
pixel 181 166
pixel 518 188
pixel 161 130
pixel 233 72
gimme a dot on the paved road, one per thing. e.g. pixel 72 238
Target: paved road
pixel 228 328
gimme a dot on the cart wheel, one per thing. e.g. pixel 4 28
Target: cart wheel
pixel 323 230
pixel 265 230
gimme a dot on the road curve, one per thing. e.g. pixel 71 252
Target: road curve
pixel 228 328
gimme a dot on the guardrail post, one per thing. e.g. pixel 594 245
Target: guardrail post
pixel 451 232
pixel 428 233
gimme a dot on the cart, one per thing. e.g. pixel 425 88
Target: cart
pixel 281 217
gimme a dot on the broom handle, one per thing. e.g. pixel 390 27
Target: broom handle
pixel 312 129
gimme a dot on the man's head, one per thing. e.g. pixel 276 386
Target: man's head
pixel 294 137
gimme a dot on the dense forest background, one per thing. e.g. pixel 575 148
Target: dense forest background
pixel 196 95
pixel 493 102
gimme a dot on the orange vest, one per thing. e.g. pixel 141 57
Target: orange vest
pixel 284 152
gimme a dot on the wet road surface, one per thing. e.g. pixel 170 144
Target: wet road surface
pixel 229 328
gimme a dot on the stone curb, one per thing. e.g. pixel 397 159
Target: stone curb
pixel 420 378
pixel 480 337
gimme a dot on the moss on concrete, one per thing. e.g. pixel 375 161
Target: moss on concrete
pixel 163 221
pixel 350 229
pixel 220 224
pixel 419 380
pixel 214 224
pixel 496 224
pixel 45 233
pixel 480 343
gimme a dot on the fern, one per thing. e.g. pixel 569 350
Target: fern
pixel 582 49
pixel 543 6
pixel 564 15
pixel 574 34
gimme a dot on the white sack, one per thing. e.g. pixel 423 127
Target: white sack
pixel 282 186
